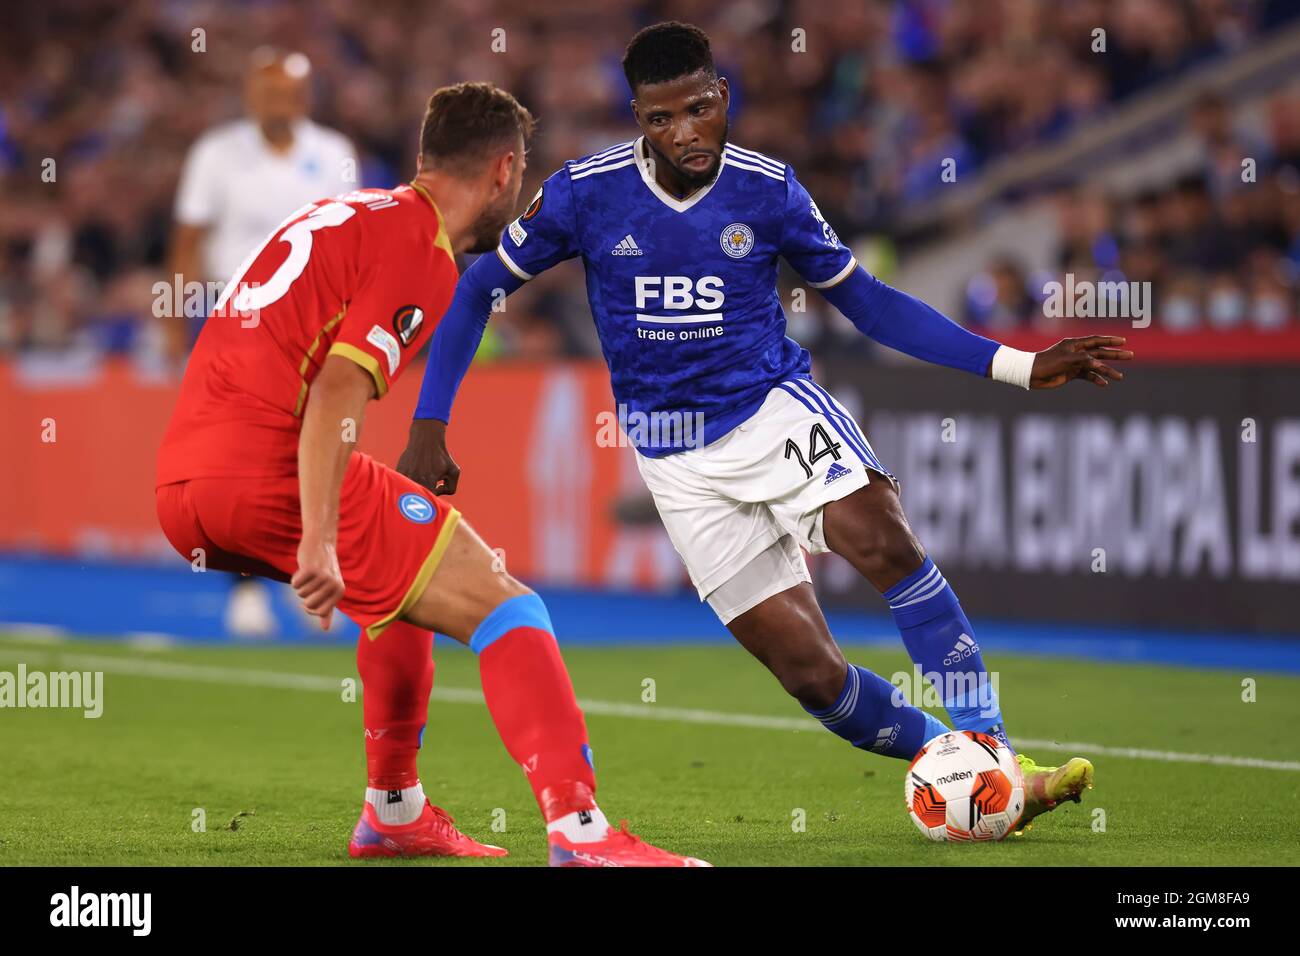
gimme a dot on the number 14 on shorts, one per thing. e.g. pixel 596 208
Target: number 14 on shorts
pixel 819 446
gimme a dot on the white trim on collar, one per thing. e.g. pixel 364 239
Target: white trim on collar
pixel 645 164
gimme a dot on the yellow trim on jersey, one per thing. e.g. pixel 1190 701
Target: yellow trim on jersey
pixel 443 241
pixel 422 577
pixel 365 360
pixel 306 359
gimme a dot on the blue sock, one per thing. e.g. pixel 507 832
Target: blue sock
pixel 872 715
pixel 942 644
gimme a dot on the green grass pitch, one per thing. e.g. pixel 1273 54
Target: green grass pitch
pixel 267 731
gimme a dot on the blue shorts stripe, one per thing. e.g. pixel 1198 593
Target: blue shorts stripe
pixel 848 421
pixel 848 418
pixel 837 424
pixel 789 388
pixel 852 424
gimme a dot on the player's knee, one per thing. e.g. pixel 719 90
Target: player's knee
pixel 814 683
pixel 886 552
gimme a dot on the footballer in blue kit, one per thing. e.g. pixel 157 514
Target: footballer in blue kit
pixel 751 462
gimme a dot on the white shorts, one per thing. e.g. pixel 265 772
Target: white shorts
pixel 766 480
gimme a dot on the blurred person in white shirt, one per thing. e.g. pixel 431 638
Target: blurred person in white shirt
pixel 240 181
pixel 243 178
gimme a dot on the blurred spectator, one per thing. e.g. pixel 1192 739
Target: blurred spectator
pixel 243 178
pixel 999 298
pixel 878 95
pixel 1221 248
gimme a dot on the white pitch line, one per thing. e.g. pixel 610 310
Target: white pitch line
pixel 239 676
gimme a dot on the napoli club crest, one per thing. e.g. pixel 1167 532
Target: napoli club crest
pixel 415 508
pixel 737 239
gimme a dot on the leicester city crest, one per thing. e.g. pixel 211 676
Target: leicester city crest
pixel 737 239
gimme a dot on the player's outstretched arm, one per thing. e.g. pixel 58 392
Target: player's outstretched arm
pixel 898 320
pixel 547 239
pixel 455 340
pixel 331 425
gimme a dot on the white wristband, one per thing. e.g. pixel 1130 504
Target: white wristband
pixel 1012 366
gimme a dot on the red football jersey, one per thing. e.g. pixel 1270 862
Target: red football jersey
pixel 366 276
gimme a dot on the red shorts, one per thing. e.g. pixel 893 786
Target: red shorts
pixel 391 535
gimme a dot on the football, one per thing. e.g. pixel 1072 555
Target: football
pixel 964 786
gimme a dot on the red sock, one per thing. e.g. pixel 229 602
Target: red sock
pixel 396 671
pixel 531 700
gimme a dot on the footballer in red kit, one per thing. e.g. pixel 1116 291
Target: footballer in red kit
pixel 363 277
pixel 258 473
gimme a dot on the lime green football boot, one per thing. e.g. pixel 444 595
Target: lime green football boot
pixel 1046 787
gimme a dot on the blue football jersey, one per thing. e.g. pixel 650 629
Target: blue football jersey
pixel 683 292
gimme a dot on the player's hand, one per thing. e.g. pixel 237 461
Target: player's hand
pixel 426 460
pixel 1082 358
pixel 318 581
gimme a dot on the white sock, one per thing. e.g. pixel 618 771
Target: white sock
pixel 581 826
pixel 395 807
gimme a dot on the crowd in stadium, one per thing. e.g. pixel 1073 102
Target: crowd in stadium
pixel 865 102
pixel 1223 250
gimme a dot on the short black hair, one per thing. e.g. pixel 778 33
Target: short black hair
pixel 665 52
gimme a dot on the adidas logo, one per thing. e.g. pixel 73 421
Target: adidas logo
pixel 836 470
pixel 885 737
pixel 963 649
pixel 627 247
